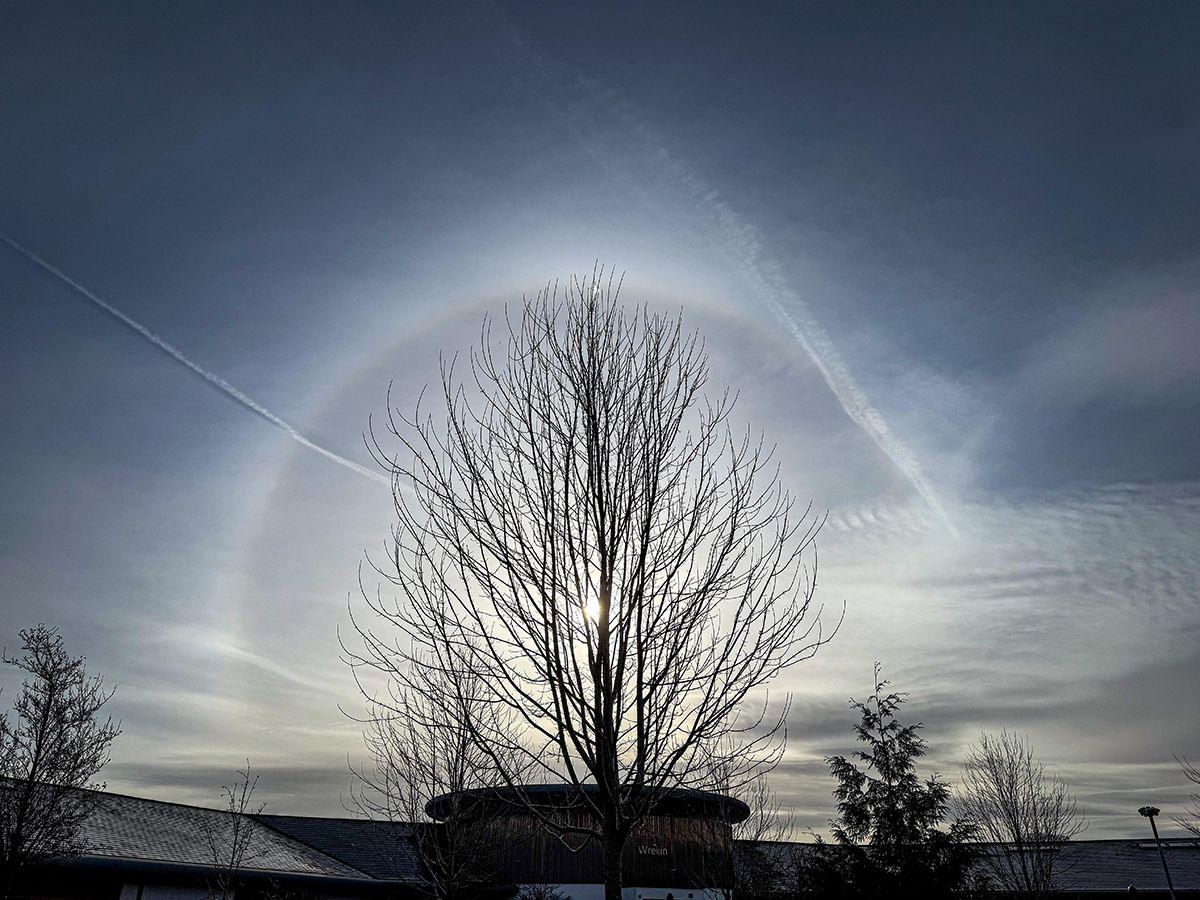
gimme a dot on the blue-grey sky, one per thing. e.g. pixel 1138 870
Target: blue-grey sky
pixel 948 253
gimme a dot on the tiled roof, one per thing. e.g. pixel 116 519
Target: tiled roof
pixel 378 849
pixel 1115 865
pixel 152 831
pixel 134 828
pixel 1109 865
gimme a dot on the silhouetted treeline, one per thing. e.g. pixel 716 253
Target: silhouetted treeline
pixel 899 833
pixel 894 830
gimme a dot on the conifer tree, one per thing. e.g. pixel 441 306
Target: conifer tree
pixel 889 828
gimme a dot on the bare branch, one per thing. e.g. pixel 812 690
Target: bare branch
pixel 1190 820
pixel 229 836
pixel 603 571
pixel 419 749
pixel 52 747
pixel 1024 813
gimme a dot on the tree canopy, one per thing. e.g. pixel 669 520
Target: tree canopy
pixel 893 831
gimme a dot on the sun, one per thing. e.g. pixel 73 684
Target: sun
pixel 591 610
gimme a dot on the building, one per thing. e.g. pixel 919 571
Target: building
pixel 141 849
pixel 680 850
pixel 1084 870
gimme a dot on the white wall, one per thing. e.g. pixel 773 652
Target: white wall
pixel 163 892
pixel 596 892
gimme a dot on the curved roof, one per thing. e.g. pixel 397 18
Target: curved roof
pixel 671 801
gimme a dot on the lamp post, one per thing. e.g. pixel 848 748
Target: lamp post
pixel 1150 812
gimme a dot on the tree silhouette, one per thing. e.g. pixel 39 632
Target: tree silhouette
pixel 419 749
pixel 584 540
pixel 228 837
pixel 888 832
pixel 52 746
pixel 1023 813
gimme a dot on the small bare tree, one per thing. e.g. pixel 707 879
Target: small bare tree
pixel 419 749
pixel 1190 820
pixel 769 820
pixel 1024 813
pixel 755 862
pixel 229 835
pixel 541 892
pixel 595 561
pixel 52 746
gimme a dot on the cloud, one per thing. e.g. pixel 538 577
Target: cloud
pixel 1135 343
pixel 625 143
pixel 1070 616
pixel 285 789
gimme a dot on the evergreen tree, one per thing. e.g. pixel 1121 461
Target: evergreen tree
pixel 888 835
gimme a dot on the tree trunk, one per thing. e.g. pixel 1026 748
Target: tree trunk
pixel 612 869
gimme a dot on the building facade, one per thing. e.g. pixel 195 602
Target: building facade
pixel 141 849
pixel 681 849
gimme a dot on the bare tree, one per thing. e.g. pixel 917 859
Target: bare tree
pixel 593 558
pixel 1190 820
pixel 541 892
pixel 756 861
pixel 229 836
pixel 769 820
pixel 52 746
pixel 1024 813
pixel 419 749
pixel 749 861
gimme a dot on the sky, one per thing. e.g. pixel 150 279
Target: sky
pixel 947 254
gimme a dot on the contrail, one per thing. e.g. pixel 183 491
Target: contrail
pixel 180 357
pixel 608 127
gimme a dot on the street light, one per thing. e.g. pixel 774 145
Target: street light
pixel 1150 812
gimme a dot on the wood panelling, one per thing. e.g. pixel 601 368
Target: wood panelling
pixel 663 851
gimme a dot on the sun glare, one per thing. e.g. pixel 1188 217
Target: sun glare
pixel 591 610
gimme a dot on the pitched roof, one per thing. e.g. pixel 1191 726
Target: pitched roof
pixel 1083 866
pixel 134 828
pixel 1115 865
pixel 383 850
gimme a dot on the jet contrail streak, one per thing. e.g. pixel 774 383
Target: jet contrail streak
pixel 180 357
pixel 608 128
